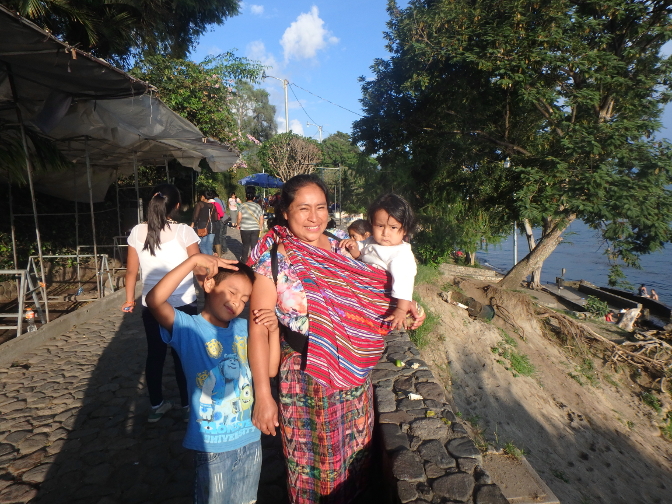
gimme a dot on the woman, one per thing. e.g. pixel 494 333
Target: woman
pixel 233 202
pixel 322 298
pixel 157 247
pixel 250 222
pixel 204 220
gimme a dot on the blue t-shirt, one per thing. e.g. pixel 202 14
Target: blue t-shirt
pixel 219 381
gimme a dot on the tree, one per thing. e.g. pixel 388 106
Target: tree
pixel 570 93
pixel 289 154
pixel 253 112
pixel 120 31
pixel 201 92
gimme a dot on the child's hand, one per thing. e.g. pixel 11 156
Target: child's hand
pixel 211 264
pixel 351 246
pixel 398 319
pixel 266 317
pixel 265 414
pixel 128 306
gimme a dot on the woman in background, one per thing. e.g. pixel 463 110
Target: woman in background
pixel 157 247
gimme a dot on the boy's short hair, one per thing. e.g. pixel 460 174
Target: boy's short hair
pixel 361 227
pixel 243 269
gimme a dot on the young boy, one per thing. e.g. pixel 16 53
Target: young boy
pixel 213 350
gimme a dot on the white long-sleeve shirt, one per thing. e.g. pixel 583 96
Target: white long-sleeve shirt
pixel 397 259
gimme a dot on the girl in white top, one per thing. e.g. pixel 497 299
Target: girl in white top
pixel 393 224
pixel 157 247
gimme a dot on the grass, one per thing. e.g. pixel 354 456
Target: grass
pixel 560 475
pixel 652 402
pixel 585 371
pixel 513 451
pixel 474 420
pixel 420 336
pixel 426 274
pixel 518 363
pixel 666 430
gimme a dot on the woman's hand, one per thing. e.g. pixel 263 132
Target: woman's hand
pixel 265 414
pixel 266 317
pixel 128 306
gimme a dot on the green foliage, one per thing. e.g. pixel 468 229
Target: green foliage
pixel 426 274
pixel 252 111
pixel 666 429
pixel 652 402
pixel 513 451
pixel 571 94
pixel 616 278
pixel 519 364
pixel 596 306
pixel 201 92
pixel 121 31
pixel 560 475
pixel 431 249
pixel 420 336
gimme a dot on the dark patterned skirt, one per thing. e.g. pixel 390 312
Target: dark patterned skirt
pixel 326 435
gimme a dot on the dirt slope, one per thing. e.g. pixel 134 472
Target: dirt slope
pixel 590 444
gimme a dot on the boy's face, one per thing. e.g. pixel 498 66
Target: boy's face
pixel 358 237
pixel 226 300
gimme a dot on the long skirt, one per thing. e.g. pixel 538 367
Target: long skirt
pixel 326 435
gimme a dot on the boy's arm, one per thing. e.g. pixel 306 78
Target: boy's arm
pixel 157 298
pixel 265 414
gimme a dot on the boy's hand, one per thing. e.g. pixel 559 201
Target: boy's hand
pixel 398 319
pixel 266 317
pixel 128 306
pixel 351 246
pixel 265 414
pixel 211 264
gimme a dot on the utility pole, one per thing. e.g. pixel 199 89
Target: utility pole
pixel 319 128
pixel 285 82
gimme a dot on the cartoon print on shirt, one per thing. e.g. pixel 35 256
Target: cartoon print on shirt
pixel 226 390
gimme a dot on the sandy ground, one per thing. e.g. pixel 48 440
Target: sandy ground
pixel 590 444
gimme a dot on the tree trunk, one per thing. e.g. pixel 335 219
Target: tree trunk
pixel 531 244
pixel 536 258
pixel 471 258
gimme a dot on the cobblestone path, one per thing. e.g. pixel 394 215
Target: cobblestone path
pixel 73 423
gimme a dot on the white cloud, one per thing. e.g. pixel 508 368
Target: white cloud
pixel 295 126
pixel 214 51
pixel 257 51
pixel 306 36
pixel 257 10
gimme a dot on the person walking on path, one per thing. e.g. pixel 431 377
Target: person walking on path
pixel 219 243
pixel 331 310
pixel 204 220
pixel 156 247
pixel 234 201
pixel 250 222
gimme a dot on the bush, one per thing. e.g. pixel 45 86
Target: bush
pixel 596 307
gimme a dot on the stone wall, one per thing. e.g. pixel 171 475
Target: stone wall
pixel 428 456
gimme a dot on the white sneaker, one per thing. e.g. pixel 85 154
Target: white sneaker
pixel 159 411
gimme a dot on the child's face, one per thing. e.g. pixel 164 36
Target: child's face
pixel 386 229
pixel 358 237
pixel 226 300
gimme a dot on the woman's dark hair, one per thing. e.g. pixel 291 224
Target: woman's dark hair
pixel 209 194
pixel 162 206
pixel 289 190
pixel 361 227
pixel 250 193
pixel 398 208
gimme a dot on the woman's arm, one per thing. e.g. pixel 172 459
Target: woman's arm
pixel 197 210
pixel 265 414
pixel 132 268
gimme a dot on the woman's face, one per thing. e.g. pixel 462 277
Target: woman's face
pixel 308 215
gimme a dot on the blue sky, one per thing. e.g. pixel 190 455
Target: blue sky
pixel 323 47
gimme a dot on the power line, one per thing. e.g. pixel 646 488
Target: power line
pixel 328 101
pixel 301 104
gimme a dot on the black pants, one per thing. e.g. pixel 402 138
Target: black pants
pixel 249 240
pixel 156 356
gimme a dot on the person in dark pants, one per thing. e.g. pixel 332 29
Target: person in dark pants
pixel 158 246
pixel 250 223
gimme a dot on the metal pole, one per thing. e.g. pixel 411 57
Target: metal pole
pixel 284 85
pixel 11 221
pixel 118 209
pixel 137 187
pixel 79 278
pixel 167 172
pixel 29 170
pixel 93 220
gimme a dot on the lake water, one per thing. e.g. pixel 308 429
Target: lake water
pixel 582 256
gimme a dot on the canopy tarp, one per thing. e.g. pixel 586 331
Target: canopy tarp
pixel 83 103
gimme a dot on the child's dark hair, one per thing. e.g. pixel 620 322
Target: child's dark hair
pixel 361 227
pixel 398 208
pixel 289 190
pixel 163 206
pixel 243 269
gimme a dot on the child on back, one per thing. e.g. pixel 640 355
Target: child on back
pixel 213 350
pixel 359 230
pixel 392 222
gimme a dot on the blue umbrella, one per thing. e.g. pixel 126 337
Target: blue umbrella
pixel 261 180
